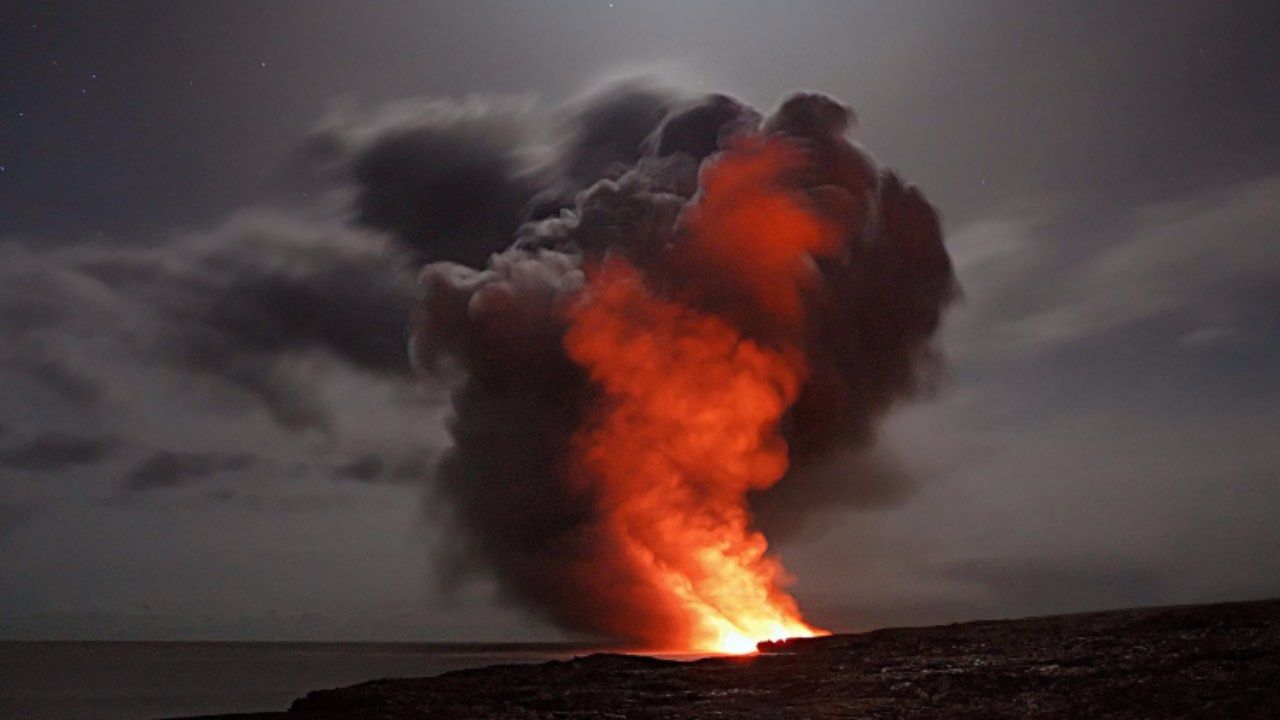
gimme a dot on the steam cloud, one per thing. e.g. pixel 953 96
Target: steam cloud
pixel 623 184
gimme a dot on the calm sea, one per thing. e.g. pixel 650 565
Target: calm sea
pixel 145 680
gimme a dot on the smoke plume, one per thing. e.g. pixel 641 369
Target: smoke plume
pixel 699 308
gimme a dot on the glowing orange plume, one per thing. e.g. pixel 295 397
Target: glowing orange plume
pixel 689 407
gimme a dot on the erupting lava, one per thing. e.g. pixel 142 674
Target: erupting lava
pixel 702 317
pixel 689 408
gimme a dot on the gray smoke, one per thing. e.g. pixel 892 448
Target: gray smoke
pixel 625 167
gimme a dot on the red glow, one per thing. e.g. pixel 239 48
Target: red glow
pixel 688 417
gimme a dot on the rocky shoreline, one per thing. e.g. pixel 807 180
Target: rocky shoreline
pixel 1205 661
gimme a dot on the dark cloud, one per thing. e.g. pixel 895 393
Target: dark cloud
pixel 55 451
pixel 700 127
pixel 246 303
pixel 445 179
pixel 167 469
pixel 235 317
pixel 353 309
pixel 385 467
pixel 601 136
pixel 878 302
pixel 605 132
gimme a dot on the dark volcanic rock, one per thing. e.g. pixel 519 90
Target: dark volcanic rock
pixel 1213 661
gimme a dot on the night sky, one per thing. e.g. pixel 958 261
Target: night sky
pixel 209 427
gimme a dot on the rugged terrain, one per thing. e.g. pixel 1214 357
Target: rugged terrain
pixel 1209 661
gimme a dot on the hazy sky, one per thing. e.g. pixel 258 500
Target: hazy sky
pixel 183 454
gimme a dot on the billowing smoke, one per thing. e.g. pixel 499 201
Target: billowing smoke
pixel 699 309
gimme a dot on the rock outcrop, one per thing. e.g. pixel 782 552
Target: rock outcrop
pixel 1209 661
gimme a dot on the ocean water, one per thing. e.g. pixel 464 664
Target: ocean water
pixel 148 680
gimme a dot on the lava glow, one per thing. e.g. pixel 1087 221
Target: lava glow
pixel 689 408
